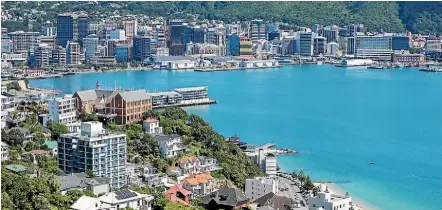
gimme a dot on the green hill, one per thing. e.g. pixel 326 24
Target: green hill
pixel 422 17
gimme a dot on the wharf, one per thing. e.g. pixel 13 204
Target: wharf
pixel 187 104
pixel 233 69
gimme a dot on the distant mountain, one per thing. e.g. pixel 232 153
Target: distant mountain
pixel 421 17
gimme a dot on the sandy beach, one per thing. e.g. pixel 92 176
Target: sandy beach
pixel 335 189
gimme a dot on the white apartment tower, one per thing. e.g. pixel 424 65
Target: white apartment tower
pixel 62 110
pixel 94 149
pixel 260 186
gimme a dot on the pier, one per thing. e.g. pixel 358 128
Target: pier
pixel 233 69
pixel 186 104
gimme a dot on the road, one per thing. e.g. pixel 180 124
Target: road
pixel 293 191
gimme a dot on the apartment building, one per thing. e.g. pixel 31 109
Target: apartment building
pixel 62 110
pixel 94 149
pixel 260 186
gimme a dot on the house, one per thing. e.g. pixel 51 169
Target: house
pixel 328 201
pixel 24 132
pixel 120 199
pixel 169 145
pixel 260 186
pixel 178 194
pixel 97 185
pixel 224 198
pixel 273 201
pixel 173 171
pixel 189 165
pixel 152 126
pixel 16 168
pixel 38 152
pixel 208 163
pixel 199 184
pixel 126 198
pixel 143 174
pixel 5 151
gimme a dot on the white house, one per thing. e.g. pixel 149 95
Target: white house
pixel 169 145
pixel 259 186
pixel 62 110
pixel 152 126
pixel 120 199
pixel 328 201
pixel 4 151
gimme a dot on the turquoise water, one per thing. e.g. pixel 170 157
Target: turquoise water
pixel 339 119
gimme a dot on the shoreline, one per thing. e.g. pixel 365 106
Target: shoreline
pixel 335 189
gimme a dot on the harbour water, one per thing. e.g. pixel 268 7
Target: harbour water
pixel 339 119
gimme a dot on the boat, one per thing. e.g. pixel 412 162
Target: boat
pixel 319 62
pixel 371 163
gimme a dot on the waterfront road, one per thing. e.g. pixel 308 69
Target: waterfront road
pixel 292 191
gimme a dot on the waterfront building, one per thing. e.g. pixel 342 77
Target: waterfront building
pixel 121 53
pixel 77 181
pixel 104 60
pixel 162 51
pixel 199 184
pixel 42 55
pixel 71 27
pixel 169 145
pixel 400 43
pixel 58 56
pixel 62 110
pixel 141 48
pixel 331 33
pixel 94 149
pixel 129 106
pixel 130 29
pixel 160 36
pixel 374 47
pixel 83 27
pixel 176 37
pixel 266 161
pixel 73 53
pixel 328 201
pixel 350 45
pixel 24 41
pixel 6 44
pixel 319 45
pixel 305 43
pixel 245 46
pixel 152 126
pixel 90 44
pixel 165 98
pixel 118 34
pixel 408 58
pixel 332 48
pixel 260 186
pixel 233 45
pixel 258 30
pixel 193 94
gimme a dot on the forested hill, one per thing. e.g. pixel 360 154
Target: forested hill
pixel 422 17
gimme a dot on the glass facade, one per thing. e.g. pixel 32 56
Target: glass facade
pixel 121 53
pixel 83 27
pixel 65 29
pixel 401 43
pixel 373 42
pixel 141 48
pixel 197 35
pixel 233 48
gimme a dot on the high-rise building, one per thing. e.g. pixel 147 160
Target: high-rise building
pixel 83 27
pixel 197 35
pixel 141 48
pixel 245 46
pixel 65 28
pixel 62 110
pixel 319 45
pixel 51 41
pixel 121 53
pixel 42 55
pixel 233 45
pixel 118 34
pixel 257 31
pixel 153 47
pixel 350 45
pixel 176 37
pixel 273 35
pixel 31 58
pixel 160 36
pixel 90 44
pixel 48 29
pixel 305 43
pixel 24 41
pixel 374 47
pixel 6 44
pixel 331 33
pixel 94 149
pixel 130 29
pixel 58 56
pixel 73 53
pixel 259 186
pixel 401 43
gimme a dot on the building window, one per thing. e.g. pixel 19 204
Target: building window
pixel 314 205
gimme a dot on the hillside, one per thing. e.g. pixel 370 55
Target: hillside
pixel 422 17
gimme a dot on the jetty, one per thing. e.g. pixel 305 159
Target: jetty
pixel 186 104
pixel 233 69
pixel 431 68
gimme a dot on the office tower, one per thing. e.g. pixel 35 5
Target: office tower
pixel 374 47
pixel 94 149
pixel 331 33
pixel 24 41
pixel 130 29
pixel 197 35
pixel 233 45
pixel 121 53
pixel 257 31
pixel 350 45
pixel 58 56
pixel 6 44
pixel 401 43
pixel 83 27
pixel 90 44
pixel 48 29
pixel 71 27
pixel 305 43
pixel 273 35
pixel 245 46
pixel 118 34
pixel 319 45
pixel 110 44
pixel 176 37
pixel 73 53
pixel 42 56
pixel 141 48
pixel 31 58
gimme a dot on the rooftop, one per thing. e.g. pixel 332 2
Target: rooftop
pixel 135 95
pixel 191 89
pixel 168 93
pixel 79 180
pixel 123 195
pixel 16 168
pixel 151 120
pixel 226 197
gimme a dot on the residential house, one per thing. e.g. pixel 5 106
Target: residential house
pixel 225 198
pixel 97 185
pixel 121 199
pixel 138 174
pixel 260 186
pixel 169 145
pixel 178 194
pixel 208 163
pixel 199 184
pixel 173 171
pixel 5 151
pixel 152 126
pixel 271 200
pixel 189 165
pixel 328 201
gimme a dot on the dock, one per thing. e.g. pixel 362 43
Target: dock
pixel 186 104
pixel 233 69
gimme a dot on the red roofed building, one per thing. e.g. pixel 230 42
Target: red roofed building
pixel 189 165
pixel 199 184
pixel 178 194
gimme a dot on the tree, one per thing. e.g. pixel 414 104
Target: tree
pixel 6 202
pixel 13 138
pixel 88 117
pixel 302 178
pixel 13 85
pixel 150 114
pixel 49 165
pixel 57 129
pixel 308 185
pixel 90 174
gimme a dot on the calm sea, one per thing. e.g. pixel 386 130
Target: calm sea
pixel 339 119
